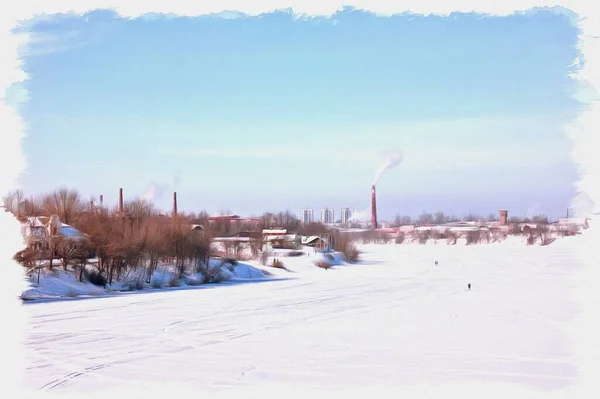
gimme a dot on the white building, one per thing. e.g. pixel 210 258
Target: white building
pixel 327 216
pixel 346 214
pixel 307 216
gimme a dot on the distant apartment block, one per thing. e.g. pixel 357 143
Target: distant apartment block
pixel 327 216
pixel 307 216
pixel 346 214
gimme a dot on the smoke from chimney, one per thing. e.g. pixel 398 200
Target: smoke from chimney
pixel 373 208
pixel 391 160
pixel 120 200
pixel 175 203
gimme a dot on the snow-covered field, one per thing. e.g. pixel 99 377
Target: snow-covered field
pixel 396 318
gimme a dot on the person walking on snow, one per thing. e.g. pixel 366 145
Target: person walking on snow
pixel 469 285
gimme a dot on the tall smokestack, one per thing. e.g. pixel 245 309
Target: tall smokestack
pixel 503 217
pixel 175 203
pixel 373 208
pixel 101 200
pixel 121 200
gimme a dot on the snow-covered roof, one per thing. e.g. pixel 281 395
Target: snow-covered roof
pixel 69 231
pixel 310 239
pixel 239 239
pixel 274 231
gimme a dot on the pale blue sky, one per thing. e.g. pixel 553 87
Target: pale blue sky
pixel 271 113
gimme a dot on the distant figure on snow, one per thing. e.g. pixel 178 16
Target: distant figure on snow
pixel 436 262
pixel 469 285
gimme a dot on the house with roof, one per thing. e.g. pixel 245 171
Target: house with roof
pixel 37 231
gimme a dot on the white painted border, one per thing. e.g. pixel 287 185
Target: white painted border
pixel 584 154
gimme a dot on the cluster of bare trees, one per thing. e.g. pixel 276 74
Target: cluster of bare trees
pixel 137 238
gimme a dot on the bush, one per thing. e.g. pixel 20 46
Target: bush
pixel 95 277
pixel 157 281
pixel 135 283
pixel 547 241
pixel 400 238
pixel 423 236
pixel 295 253
pixel 71 293
pixel 174 282
pixel 473 237
pixel 345 245
pixel 452 238
pixel 278 264
pixel 323 265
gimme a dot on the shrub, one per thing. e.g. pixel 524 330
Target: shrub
pixel 71 293
pixel 95 277
pixel 278 264
pixel 323 265
pixel 174 282
pixel 547 241
pixel 423 236
pixel 135 283
pixel 295 253
pixel 345 245
pixel 473 237
pixel 452 238
pixel 400 238
pixel 157 281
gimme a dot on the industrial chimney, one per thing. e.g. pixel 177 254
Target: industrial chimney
pixel 373 208
pixel 121 201
pixel 175 203
pixel 503 217
pixel 101 200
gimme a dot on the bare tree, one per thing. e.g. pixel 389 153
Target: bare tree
pixel 472 217
pixel 13 201
pixel 439 218
pixel 543 232
pixel 402 221
pixel 425 218
pixel 65 203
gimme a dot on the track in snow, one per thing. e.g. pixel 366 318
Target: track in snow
pixel 401 320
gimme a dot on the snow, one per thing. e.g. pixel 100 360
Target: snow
pixel 58 284
pixel 395 318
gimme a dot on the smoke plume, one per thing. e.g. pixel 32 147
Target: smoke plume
pixel 391 160
pixel 155 191
pixel 361 215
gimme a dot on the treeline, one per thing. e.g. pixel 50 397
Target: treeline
pixel 138 237
pixel 426 218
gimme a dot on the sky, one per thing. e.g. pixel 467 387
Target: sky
pixel 254 114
